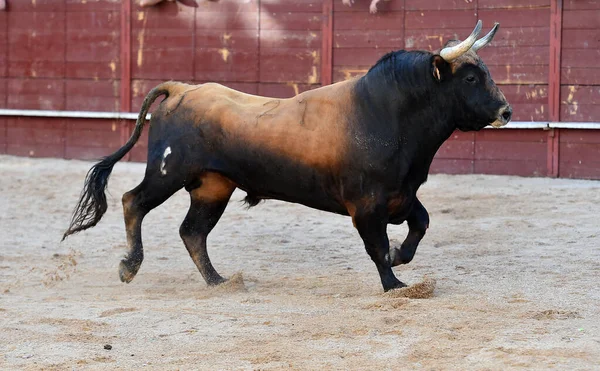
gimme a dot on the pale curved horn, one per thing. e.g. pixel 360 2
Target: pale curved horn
pixel 452 52
pixel 482 43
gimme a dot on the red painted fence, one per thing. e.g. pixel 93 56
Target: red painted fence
pixel 105 55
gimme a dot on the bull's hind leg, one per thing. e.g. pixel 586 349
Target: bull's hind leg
pixel 206 207
pixel 149 194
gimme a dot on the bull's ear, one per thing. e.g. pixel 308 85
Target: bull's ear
pixel 440 68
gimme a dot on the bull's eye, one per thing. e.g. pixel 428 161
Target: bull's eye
pixel 471 79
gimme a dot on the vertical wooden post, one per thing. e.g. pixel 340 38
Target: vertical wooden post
pixel 556 9
pixel 125 92
pixel 327 43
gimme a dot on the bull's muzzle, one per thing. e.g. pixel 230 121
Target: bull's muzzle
pixel 504 116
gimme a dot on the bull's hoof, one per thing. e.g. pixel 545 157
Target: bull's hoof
pixel 215 281
pixel 396 285
pixel 400 256
pixel 128 270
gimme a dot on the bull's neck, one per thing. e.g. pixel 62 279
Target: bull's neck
pixel 421 118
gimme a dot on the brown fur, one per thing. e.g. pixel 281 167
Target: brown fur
pixel 309 128
pixel 215 187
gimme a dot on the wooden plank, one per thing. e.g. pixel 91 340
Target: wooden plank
pixel 512 4
pixel 432 39
pixel 37 44
pixel 510 167
pixel 95 70
pixel 441 19
pixel 91 139
pixel 291 21
pixel 36 94
pixel 580 95
pixel 35 136
pixel 456 149
pixel 228 7
pixel 365 21
pixel 581 39
pixel 527 94
pixel 581 19
pixel 517 55
pixel 516 135
pixel 327 43
pixel 99 40
pixel 3 45
pixel 92 5
pixel 580 160
pixel 580 76
pixel 164 64
pixel 511 150
pixel 3 134
pixel 217 64
pixel 580 113
pixel 451 166
pixel 582 58
pixel 290 65
pixel 388 39
pixel 289 39
pixel 361 56
pixel 517 74
pixel 362 7
pixel 341 73
pixel 242 39
pixel 288 90
pixel 435 39
pixel 580 137
pixel 3 92
pixel 226 21
pixel 92 95
pixel 581 4
pixel 439 4
pixel 516 17
pixel 37 6
pixel 296 6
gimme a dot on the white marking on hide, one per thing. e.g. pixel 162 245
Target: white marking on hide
pixel 167 152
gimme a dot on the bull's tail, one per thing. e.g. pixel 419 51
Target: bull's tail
pixel 92 202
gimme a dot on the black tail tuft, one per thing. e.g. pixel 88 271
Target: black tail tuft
pixel 92 203
pixel 251 200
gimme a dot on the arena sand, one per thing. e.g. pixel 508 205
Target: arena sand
pixel 515 264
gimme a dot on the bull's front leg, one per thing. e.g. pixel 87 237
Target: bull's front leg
pixel 371 220
pixel 418 222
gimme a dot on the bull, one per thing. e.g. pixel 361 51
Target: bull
pixel 360 148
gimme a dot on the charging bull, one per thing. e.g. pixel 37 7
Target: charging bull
pixel 360 148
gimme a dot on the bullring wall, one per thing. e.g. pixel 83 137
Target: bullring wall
pixel 104 55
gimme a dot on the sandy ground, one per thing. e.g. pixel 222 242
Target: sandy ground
pixel 516 260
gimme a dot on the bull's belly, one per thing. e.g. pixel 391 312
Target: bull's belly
pixel 281 179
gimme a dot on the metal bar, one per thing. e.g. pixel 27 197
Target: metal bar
pixel 71 114
pixel 556 8
pixel 327 43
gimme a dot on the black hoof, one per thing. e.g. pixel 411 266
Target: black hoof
pixel 215 281
pixel 128 270
pixel 398 285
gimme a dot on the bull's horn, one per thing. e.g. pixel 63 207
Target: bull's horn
pixel 482 43
pixel 452 52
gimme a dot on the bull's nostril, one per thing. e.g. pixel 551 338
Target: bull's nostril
pixel 507 114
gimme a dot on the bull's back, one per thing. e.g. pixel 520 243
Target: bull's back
pixel 290 149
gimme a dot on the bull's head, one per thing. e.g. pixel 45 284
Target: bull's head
pixel 467 79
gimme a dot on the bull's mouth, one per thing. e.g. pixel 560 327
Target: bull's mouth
pixel 498 123
pixel 503 118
